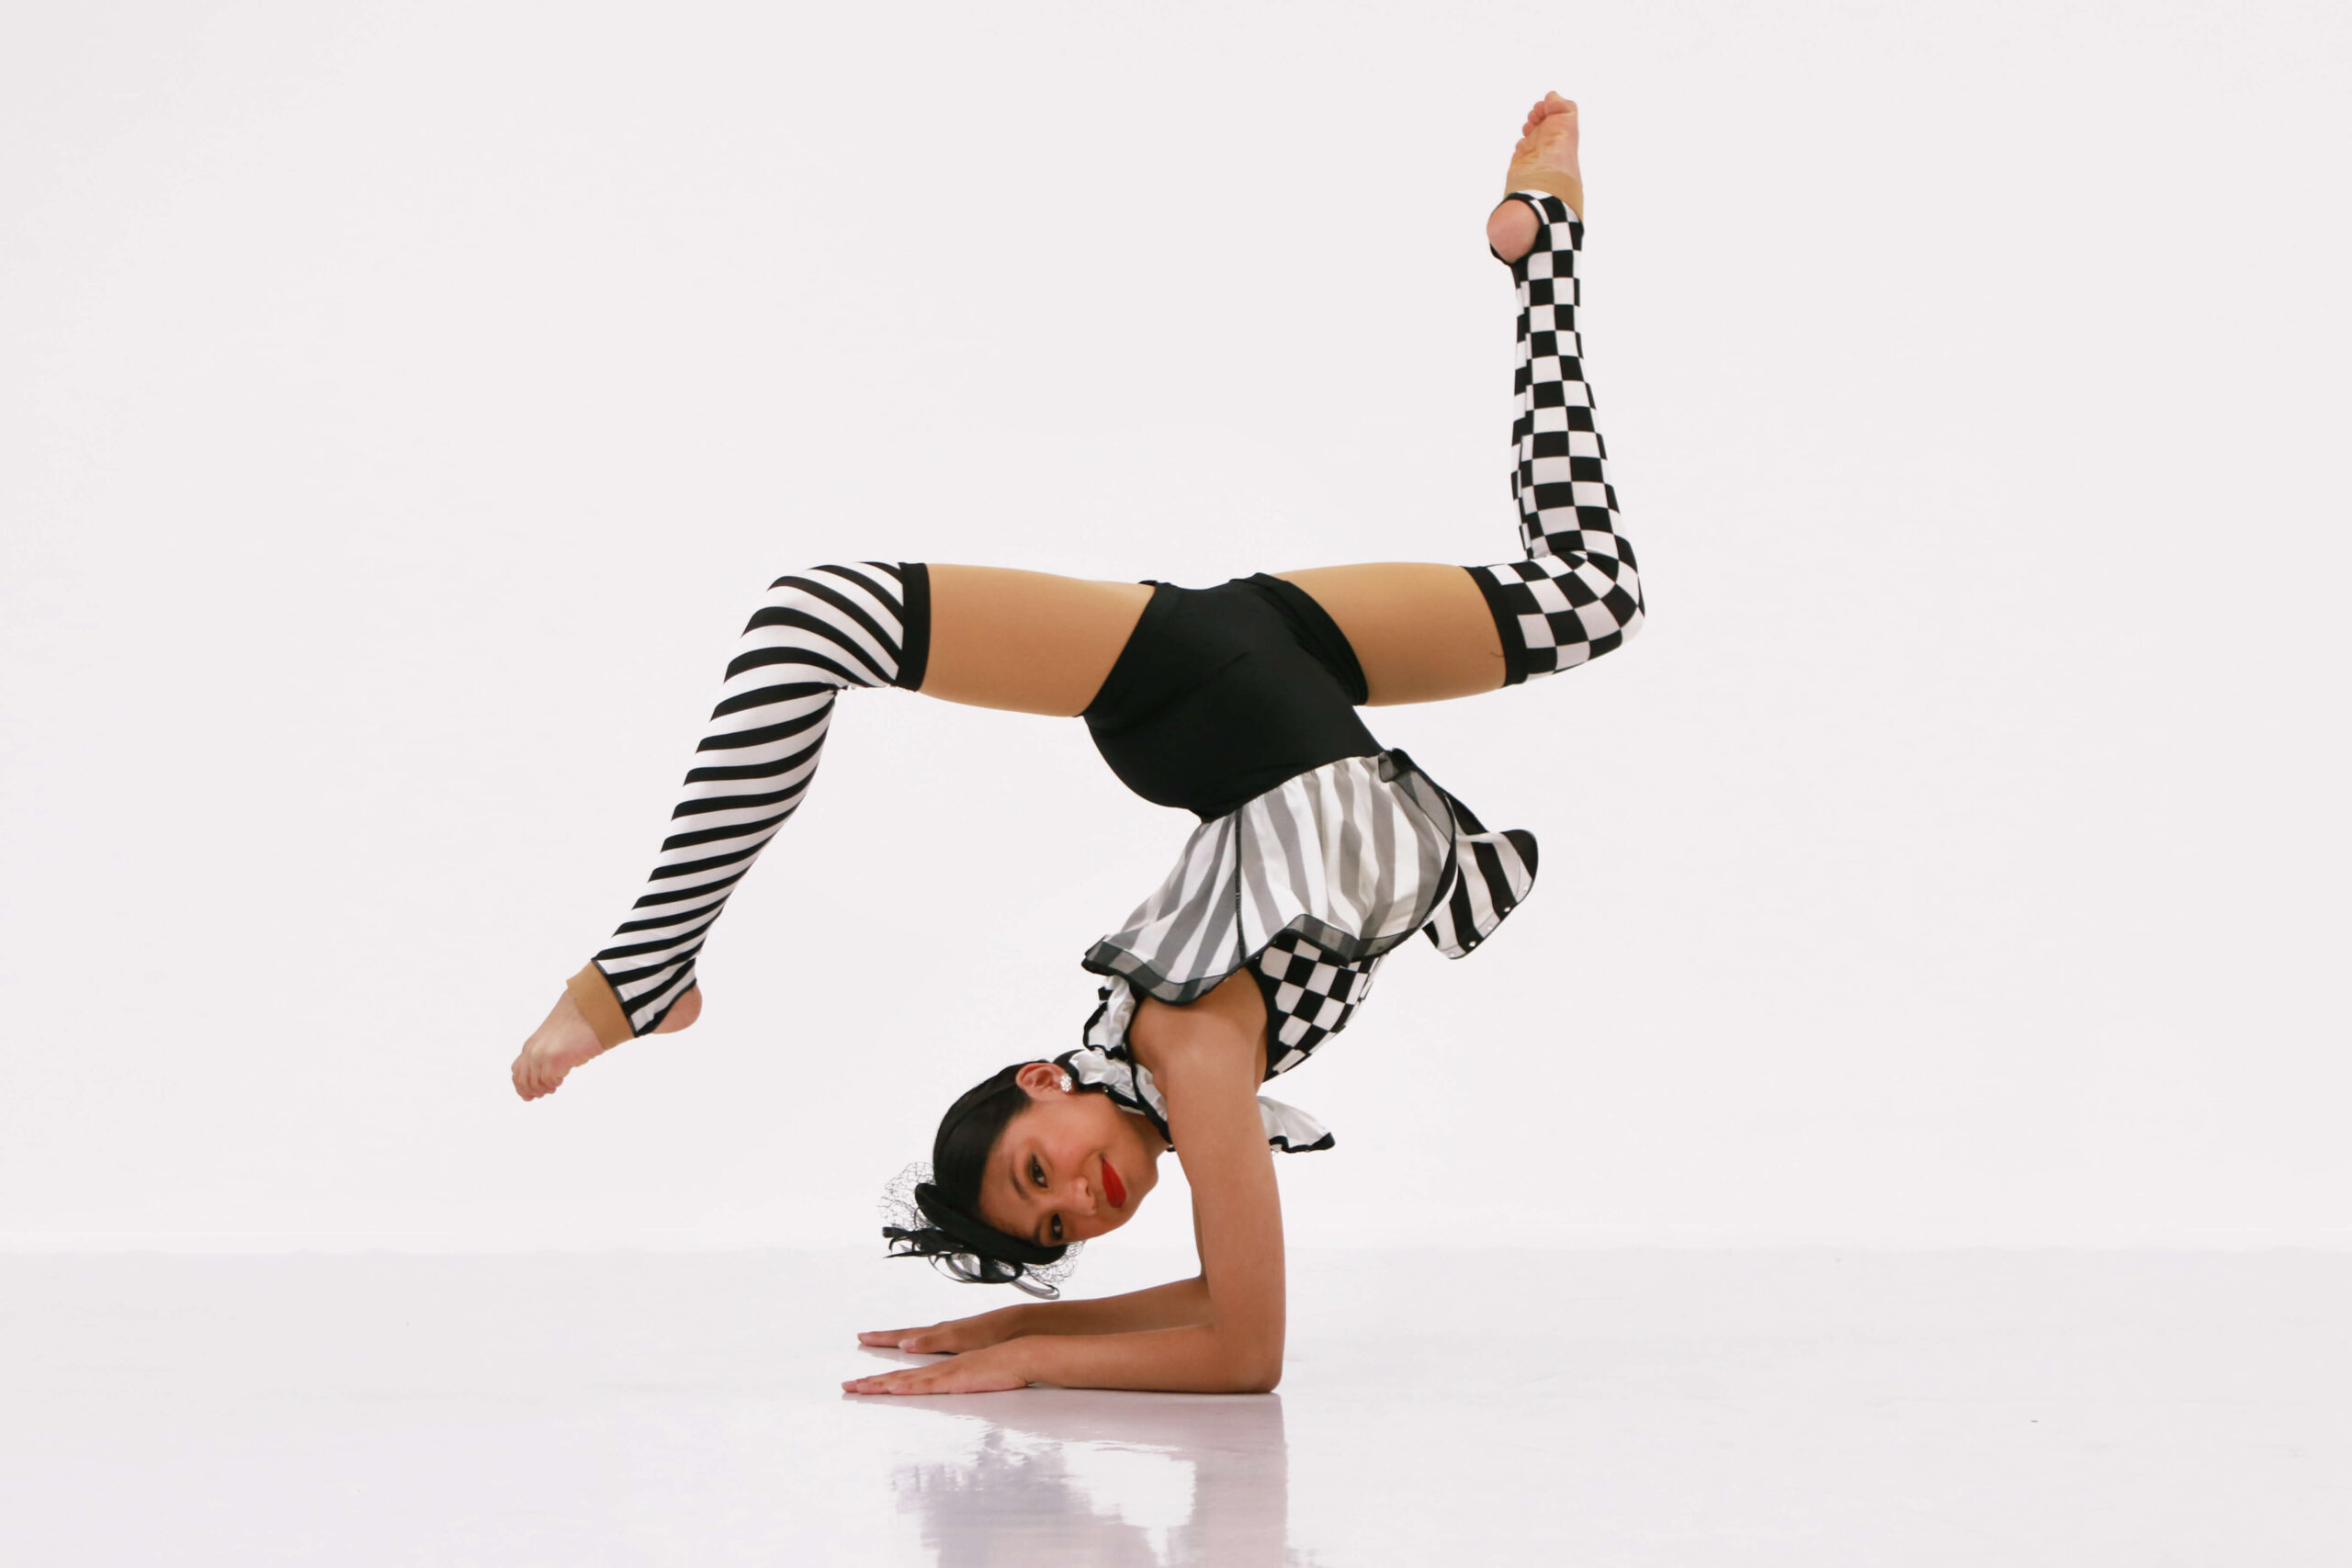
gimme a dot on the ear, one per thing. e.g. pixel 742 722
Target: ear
pixel 1040 1078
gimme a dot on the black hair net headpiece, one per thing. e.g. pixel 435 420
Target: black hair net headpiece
pixel 923 1224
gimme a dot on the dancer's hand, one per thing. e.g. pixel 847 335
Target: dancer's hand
pixel 952 1338
pixel 989 1370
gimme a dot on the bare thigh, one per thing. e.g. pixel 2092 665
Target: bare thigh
pixel 1026 640
pixel 1422 633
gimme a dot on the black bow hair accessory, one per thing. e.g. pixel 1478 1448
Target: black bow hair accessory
pixel 923 1224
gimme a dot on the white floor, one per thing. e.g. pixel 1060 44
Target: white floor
pixel 1625 1408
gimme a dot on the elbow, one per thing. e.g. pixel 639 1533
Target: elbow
pixel 1252 1381
pixel 1265 1381
pixel 1253 1371
pixel 1612 622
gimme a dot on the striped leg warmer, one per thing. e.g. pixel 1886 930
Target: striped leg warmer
pixel 1576 595
pixel 815 634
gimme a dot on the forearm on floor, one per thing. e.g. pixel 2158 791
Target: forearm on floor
pixel 1180 1305
pixel 1199 1359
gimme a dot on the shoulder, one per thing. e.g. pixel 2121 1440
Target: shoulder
pixel 1224 1030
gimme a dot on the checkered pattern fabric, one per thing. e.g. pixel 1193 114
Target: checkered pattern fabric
pixel 1309 996
pixel 1577 594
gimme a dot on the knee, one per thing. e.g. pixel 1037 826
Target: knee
pixel 1562 611
pixel 839 625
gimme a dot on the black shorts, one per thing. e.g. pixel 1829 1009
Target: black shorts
pixel 1222 694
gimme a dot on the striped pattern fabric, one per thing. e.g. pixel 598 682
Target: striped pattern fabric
pixel 1355 855
pixel 814 635
pixel 1577 594
pixel 1496 872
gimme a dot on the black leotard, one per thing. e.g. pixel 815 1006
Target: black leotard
pixel 1222 694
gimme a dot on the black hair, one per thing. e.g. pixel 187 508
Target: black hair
pixel 951 1199
pixel 967 1135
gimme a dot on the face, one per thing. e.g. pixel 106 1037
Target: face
pixel 1069 1168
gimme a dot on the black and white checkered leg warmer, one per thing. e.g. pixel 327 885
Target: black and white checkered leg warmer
pixel 1576 595
pixel 815 634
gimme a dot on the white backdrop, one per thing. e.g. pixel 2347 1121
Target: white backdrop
pixel 404 405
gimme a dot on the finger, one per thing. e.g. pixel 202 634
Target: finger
pixel 948 1377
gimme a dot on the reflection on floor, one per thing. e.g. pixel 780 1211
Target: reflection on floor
pixel 1062 1475
pixel 1612 1409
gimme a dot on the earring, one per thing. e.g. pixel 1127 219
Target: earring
pixel 1066 1083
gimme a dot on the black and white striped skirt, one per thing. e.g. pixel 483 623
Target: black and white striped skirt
pixel 1353 857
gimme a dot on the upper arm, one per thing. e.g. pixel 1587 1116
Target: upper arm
pixel 1208 1059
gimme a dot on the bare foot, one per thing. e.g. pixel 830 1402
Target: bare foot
pixel 1545 159
pixel 566 1038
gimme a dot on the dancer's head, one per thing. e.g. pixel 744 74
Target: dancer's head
pixel 1026 1163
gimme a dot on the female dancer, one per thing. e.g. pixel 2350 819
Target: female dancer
pixel 1319 852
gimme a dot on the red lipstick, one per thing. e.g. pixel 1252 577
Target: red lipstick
pixel 1112 1188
